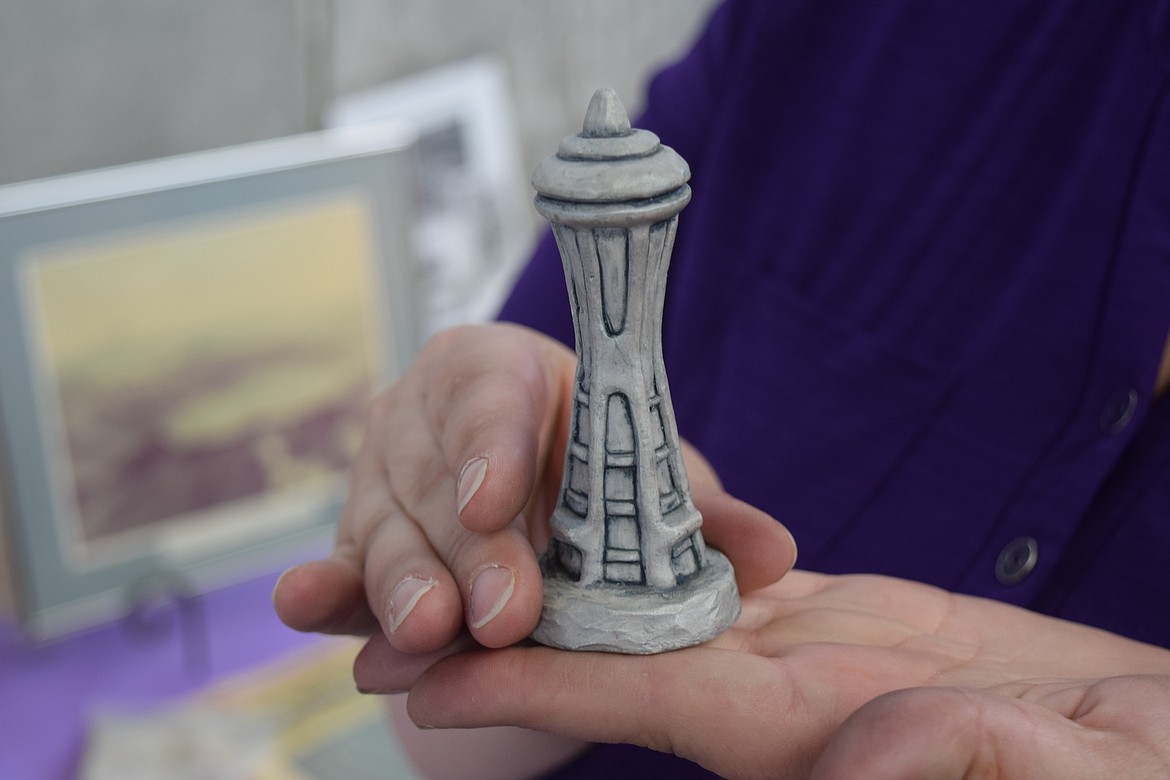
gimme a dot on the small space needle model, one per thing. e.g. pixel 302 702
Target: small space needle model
pixel 626 570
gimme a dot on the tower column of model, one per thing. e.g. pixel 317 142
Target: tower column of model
pixel 627 569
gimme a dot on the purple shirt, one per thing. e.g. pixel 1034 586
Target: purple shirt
pixel 918 302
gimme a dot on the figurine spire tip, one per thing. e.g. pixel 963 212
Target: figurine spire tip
pixel 606 116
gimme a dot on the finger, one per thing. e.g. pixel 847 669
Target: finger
pixel 497 410
pixel 951 733
pixel 422 559
pixel 482 754
pixel 760 548
pixel 700 473
pixel 425 573
pixel 468 425
pixel 409 588
pixel 379 668
pixel 328 595
pixel 425 586
pixel 663 702
pixel 324 596
pixel 402 558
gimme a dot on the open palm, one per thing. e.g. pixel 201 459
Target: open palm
pixel 844 677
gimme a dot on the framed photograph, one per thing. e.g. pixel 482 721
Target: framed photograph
pixel 474 222
pixel 187 348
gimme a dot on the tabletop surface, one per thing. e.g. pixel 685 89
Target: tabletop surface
pixel 48 692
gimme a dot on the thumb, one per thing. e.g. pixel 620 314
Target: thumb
pixel 760 548
pixel 954 733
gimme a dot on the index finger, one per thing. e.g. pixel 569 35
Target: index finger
pixel 496 405
pixel 680 702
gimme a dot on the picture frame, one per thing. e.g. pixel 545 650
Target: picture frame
pixel 473 225
pixel 187 348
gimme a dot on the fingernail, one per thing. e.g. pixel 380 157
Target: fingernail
pixel 795 548
pixel 276 587
pixel 490 590
pixel 470 478
pixel 406 596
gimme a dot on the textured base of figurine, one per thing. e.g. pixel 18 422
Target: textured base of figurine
pixel 636 619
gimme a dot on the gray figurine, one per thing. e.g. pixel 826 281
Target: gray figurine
pixel 627 570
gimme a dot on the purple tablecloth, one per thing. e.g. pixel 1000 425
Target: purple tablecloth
pixel 48 691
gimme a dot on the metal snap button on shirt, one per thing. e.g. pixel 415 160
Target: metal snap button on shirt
pixel 1119 411
pixel 1016 560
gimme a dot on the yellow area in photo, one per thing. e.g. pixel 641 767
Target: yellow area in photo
pixel 141 311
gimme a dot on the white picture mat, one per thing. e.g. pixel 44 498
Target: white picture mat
pixel 476 227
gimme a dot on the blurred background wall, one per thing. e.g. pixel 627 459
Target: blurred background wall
pixel 92 83
pixel 89 83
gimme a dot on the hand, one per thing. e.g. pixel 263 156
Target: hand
pixel 844 677
pixel 449 500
